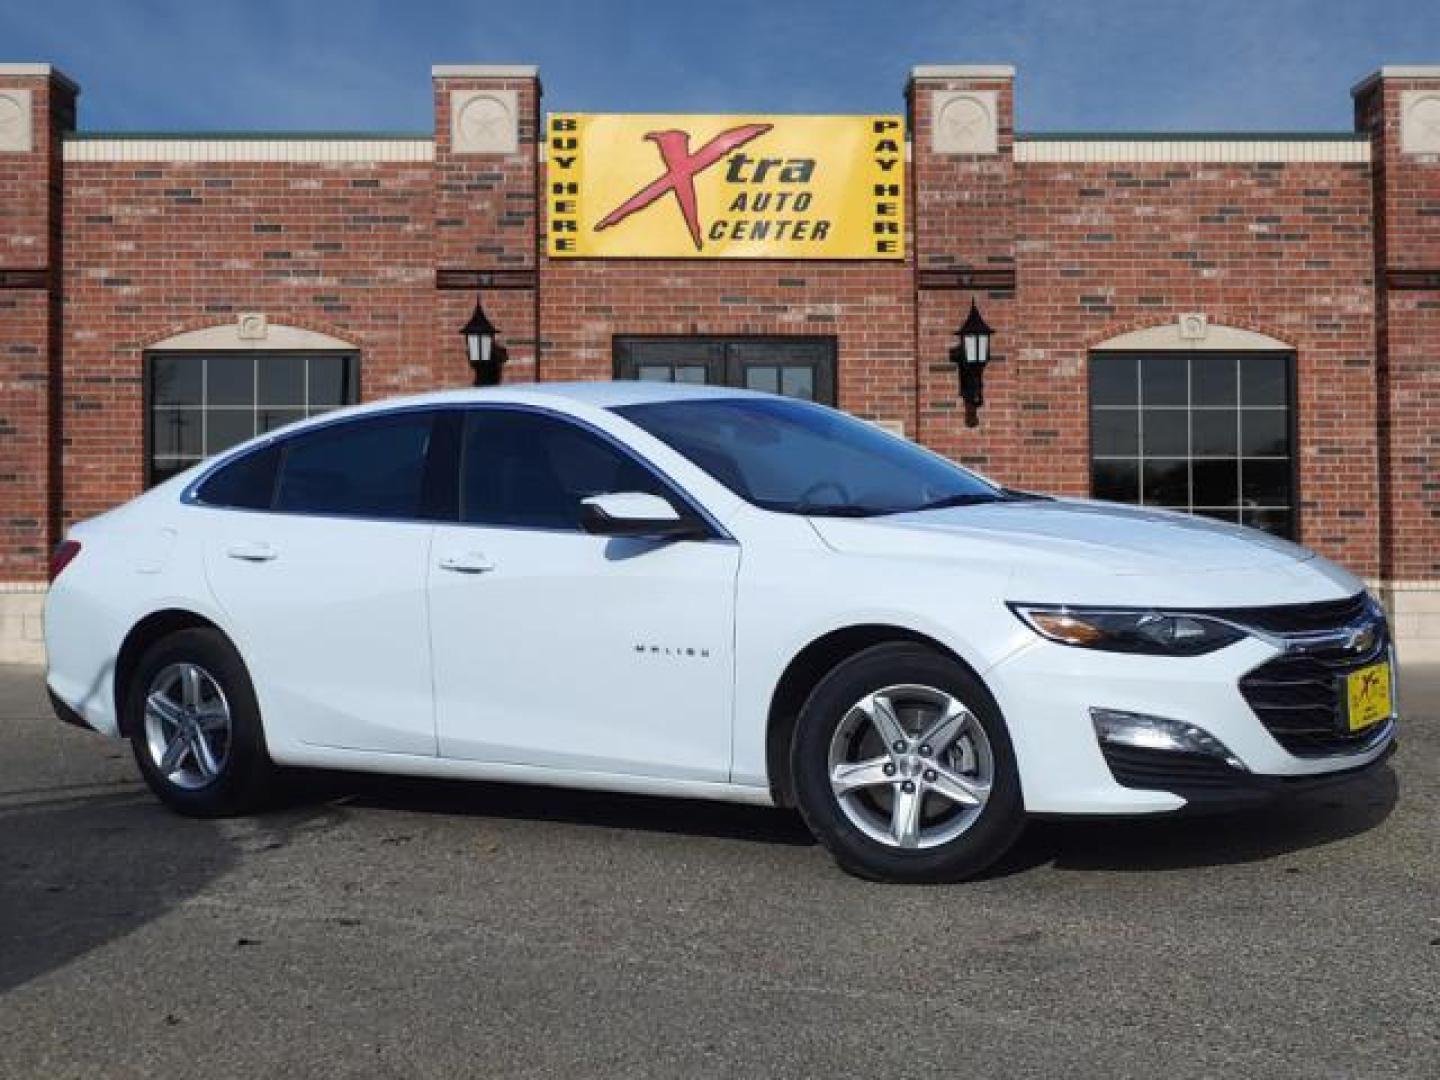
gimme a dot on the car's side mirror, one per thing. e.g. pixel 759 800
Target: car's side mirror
pixel 636 513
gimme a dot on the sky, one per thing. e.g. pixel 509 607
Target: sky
pixel 363 65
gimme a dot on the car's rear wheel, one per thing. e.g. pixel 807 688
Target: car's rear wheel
pixel 904 770
pixel 194 726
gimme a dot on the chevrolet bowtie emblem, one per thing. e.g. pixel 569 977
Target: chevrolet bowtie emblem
pixel 681 168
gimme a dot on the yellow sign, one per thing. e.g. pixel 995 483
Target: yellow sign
pixel 1367 693
pixel 727 187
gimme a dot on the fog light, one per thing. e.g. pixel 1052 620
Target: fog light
pixel 1159 733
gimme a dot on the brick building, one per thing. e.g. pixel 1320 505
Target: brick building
pixel 1238 325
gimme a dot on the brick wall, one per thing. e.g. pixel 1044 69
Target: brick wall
pixel 1407 256
pixel 1101 248
pixel 1061 256
pixel 157 248
pixel 30 374
pixel 1283 249
pixel 965 231
pixel 866 306
pixel 486 221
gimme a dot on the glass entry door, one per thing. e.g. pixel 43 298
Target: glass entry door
pixel 798 367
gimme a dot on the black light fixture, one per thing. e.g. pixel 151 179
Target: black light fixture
pixel 971 355
pixel 486 355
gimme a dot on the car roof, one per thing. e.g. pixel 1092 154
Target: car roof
pixel 601 395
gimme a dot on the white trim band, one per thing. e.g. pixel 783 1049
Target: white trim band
pixel 1171 337
pixel 1398 71
pixel 38 71
pixel 485 71
pixel 1179 149
pixel 963 71
pixel 229 337
pixel 318 151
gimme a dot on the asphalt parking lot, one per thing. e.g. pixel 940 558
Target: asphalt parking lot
pixel 381 928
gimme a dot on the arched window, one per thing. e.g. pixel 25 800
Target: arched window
pixel 208 390
pixel 1208 430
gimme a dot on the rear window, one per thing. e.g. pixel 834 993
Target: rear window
pixel 371 468
pixel 248 483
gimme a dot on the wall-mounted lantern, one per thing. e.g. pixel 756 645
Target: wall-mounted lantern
pixel 486 355
pixel 971 355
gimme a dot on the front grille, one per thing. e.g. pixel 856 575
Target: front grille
pixel 1299 695
pixel 1167 770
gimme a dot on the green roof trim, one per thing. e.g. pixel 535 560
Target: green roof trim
pixel 1191 136
pixel 251 136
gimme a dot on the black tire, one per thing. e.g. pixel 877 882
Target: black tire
pixel 244 774
pixel 988 836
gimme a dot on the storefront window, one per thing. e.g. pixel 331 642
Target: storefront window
pixel 798 367
pixel 200 404
pixel 1206 433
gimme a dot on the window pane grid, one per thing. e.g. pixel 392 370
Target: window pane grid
pixel 1205 434
pixel 203 404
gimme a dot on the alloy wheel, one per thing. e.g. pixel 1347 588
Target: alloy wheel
pixel 911 766
pixel 187 726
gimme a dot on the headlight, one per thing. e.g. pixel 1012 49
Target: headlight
pixel 1158 633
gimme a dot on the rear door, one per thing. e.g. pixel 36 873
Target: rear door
pixel 326 589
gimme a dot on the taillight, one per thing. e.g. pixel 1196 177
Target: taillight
pixel 63 555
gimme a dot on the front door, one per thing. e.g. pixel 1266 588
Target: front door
pixel 799 367
pixel 553 647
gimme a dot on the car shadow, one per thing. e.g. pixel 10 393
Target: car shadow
pixel 570 806
pixel 1178 842
pixel 82 866
pixel 79 871
pixel 1116 844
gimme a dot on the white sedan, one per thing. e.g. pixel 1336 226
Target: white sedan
pixel 706 593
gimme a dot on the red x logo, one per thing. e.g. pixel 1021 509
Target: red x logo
pixel 681 168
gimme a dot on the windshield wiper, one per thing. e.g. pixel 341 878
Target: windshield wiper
pixel 838 510
pixel 969 498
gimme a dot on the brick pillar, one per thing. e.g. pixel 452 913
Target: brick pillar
pixel 486 205
pixel 1400 108
pixel 963 199
pixel 37 105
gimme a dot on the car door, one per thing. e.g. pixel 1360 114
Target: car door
pixel 326 588
pixel 557 648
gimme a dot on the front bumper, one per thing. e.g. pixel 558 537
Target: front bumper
pixel 1046 692
pixel 1209 785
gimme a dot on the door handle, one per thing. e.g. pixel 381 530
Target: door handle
pixel 469 562
pixel 252 552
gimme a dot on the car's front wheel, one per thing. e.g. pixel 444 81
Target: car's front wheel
pixel 904 770
pixel 194 726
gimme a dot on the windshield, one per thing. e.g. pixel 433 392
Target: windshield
pixel 798 458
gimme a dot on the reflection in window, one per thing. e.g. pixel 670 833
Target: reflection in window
pixel 681 373
pixel 524 470
pixel 1206 433
pixel 201 404
pixel 791 380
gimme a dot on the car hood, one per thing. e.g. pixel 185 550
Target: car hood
pixel 1076 551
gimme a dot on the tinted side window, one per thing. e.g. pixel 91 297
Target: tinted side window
pixel 362 468
pixel 532 471
pixel 245 484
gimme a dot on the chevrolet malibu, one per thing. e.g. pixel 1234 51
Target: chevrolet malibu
pixel 707 593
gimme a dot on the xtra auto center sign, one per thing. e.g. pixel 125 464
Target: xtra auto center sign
pixel 731 187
